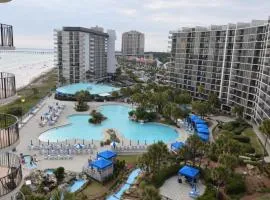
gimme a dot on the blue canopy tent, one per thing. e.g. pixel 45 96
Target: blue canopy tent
pixel 190 173
pixel 201 126
pixel 199 121
pixel 194 117
pixel 203 137
pixel 101 164
pixel 108 155
pixel 176 146
pixel 203 130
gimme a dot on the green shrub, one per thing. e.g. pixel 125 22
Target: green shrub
pixel 247 148
pixel 59 173
pixel 17 111
pixel 235 185
pixel 242 138
pixel 209 193
pixel 160 177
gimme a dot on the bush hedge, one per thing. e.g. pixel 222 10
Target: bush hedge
pixel 235 185
pixel 159 178
pixel 209 193
pixel 242 138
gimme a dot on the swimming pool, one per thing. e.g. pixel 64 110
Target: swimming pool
pixel 117 118
pixel 28 164
pixel 91 87
pixel 76 185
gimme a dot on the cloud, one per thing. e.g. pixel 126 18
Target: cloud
pixel 128 12
pixel 34 20
pixel 176 4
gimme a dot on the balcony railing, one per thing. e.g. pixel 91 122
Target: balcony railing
pixel 11 175
pixel 9 130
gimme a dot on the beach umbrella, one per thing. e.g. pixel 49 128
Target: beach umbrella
pixel 79 146
pixel 114 144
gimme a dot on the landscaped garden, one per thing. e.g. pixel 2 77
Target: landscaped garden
pixel 31 94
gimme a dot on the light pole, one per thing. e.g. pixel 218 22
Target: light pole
pixel 22 101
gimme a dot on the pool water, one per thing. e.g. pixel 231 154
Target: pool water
pixel 117 118
pixel 27 160
pixel 49 171
pixel 76 185
pixel 91 87
pixel 126 186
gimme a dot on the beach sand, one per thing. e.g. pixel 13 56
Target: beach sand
pixel 25 66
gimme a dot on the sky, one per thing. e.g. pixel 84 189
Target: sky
pixel 35 20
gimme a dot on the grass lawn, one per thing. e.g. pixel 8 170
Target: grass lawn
pixel 254 140
pixel 130 159
pixel 32 94
pixel 93 191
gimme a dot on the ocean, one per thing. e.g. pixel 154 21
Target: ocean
pixel 26 64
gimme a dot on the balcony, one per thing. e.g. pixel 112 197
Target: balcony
pixel 9 131
pixel 11 173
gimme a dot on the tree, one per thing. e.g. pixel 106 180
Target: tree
pixel 265 128
pixel 152 159
pixel 213 100
pixel 183 98
pixel 118 71
pixel 81 97
pixel 59 174
pixel 238 110
pixel 200 107
pixel 115 94
pixel 228 160
pixel 200 90
pixel 219 176
pixel 193 148
pixel 150 193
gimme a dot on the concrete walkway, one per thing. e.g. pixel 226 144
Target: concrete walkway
pixel 178 191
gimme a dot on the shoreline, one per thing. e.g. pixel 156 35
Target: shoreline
pixel 35 79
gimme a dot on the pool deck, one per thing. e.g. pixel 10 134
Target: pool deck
pixel 178 191
pixel 32 130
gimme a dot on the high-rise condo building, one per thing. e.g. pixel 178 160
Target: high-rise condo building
pixel 133 44
pixel 111 60
pixel 81 54
pixel 232 61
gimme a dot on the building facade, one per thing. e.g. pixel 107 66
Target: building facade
pixel 232 61
pixel 111 59
pixel 133 44
pixel 81 54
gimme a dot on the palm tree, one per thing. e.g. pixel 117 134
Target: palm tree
pixel 265 128
pixel 238 110
pixel 200 90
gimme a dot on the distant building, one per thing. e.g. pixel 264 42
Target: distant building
pixel 81 54
pixel 111 60
pixel 133 44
